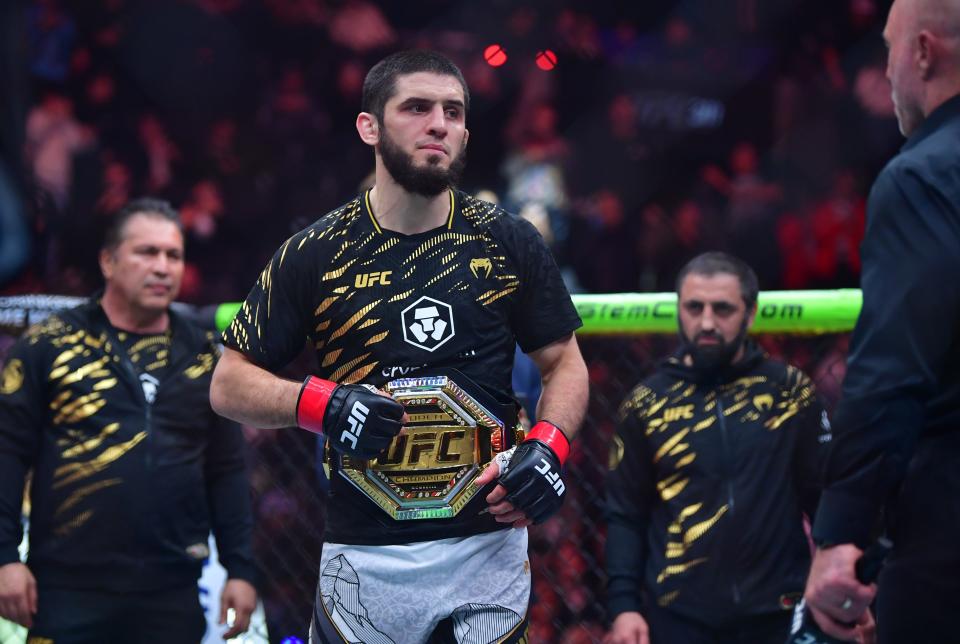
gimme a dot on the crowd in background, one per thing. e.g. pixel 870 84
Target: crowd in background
pixel 661 132
pixel 665 129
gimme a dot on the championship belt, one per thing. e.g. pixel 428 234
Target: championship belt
pixel 455 430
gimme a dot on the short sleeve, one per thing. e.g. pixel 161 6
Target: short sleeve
pixel 544 312
pixel 272 324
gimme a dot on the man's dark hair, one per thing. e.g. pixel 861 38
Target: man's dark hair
pixel 380 83
pixel 143 206
pixel 716 262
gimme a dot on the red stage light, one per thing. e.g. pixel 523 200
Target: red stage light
pixel 494 55
pixel 546 60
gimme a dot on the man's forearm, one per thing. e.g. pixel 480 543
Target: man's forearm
pixel 565 391
pixel 248 394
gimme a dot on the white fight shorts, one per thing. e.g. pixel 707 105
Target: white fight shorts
pixel 468 590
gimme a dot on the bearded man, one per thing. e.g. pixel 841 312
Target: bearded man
pixel 416 291
pixel 715 462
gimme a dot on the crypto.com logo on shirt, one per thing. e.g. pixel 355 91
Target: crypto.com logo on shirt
pixel 427 323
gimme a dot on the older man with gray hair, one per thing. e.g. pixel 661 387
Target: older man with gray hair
pixel 897 429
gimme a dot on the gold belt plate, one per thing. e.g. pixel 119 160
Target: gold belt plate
pixel 429 470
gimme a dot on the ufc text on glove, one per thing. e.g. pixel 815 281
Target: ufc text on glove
pixel 357 420
pixel 532 477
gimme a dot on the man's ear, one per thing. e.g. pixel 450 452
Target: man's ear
pixel 751 315
pixel 106 263
pixel 466 137
pixel 368 128
pixel 926 56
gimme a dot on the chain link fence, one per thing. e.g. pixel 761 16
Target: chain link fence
pixel 288 489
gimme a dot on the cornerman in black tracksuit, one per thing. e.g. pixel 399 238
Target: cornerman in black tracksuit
pixel 897 453
pixel 715 461
pixel 108 405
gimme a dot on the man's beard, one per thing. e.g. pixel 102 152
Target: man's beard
pixel 712 358
pixel 429 180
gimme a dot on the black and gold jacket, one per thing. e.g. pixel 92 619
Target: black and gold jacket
pixel 707 487
pixel 124 493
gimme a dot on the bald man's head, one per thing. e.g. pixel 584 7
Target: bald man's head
pixel 939 17
pixel 923 62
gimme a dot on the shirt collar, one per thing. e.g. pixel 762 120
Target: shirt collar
pixel 947 110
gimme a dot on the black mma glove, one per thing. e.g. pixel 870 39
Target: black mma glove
pixel 357 420
pixel 532 477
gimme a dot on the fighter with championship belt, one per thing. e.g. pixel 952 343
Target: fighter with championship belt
pixel 414 296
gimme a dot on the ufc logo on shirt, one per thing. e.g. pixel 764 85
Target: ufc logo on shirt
pixel 358 415
pixel 552 477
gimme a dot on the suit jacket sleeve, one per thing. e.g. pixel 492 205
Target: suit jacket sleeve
pixel 898 350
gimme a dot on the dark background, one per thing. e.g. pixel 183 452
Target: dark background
pixel 666 128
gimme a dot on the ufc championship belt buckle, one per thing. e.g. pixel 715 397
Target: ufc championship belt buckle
pixel 428 473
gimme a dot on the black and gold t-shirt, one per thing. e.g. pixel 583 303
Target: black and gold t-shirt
pixel 378 305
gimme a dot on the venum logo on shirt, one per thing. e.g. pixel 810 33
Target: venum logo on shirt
pixel 427 323
pixel 480 265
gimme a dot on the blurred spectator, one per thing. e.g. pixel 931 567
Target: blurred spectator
pixel 292 119
pixel 837 224
pixel 14 236
pixel 868 122
pixel 534 167
pixel 52 34
pixel 872 91
pixel 751 195
pixel 350 81
pixel 750 211
pixel 863 15
pixel 360 26
pixel 653 247
pixel 578 32
pixel 794 240
pixel 201 210
pixel 312 12
pixel 628 166
pixel 100 92
pixel 53 137
pixel 117 187
pixel 222 148
pixel 602 248
pixel 691 236
pixel 831 369
pixel 160 151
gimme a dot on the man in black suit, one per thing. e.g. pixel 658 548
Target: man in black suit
pixel 897 429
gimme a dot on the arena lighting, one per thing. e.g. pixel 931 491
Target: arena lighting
pixel 291 639
pixel 495 55
pixel 546 60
